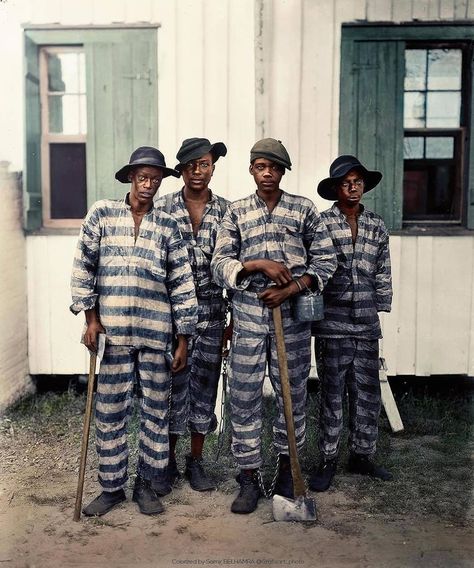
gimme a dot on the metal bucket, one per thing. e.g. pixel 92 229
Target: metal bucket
pixel 308 307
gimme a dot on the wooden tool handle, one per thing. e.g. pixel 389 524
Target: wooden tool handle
pixel 299 487
pixel 85 436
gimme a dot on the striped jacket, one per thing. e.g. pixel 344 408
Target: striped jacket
pixel 201 246
pixel 293 233
pixel 141 288
pixel 362 284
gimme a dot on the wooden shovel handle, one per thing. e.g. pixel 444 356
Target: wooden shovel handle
pixel 85 436
pixel 299 487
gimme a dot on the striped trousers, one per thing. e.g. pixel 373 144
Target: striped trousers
pixel 120 367
pixel 250 354
pixel 194 390
pixel 354 364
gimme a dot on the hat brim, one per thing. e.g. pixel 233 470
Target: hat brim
pixel 217 150
pixel 327 187
pixel 122 174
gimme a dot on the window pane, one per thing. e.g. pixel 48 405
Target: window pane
pixel 443 110
pixel 413 148
pixel 67 114
pixel 68 181
pixel 415 69
pixel 444 69
pixel 440 147
pixel 414 110
pixel 66 72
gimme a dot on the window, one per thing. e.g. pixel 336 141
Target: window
pixel 63 135
pixel 405 109
pixel 433 139
pixel 91 98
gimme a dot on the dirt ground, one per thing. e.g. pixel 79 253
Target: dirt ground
pixel 37 492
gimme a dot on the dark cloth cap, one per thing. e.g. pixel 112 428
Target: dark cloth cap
pixel 271 149
pixel 145 156
pixel 341 167
pixel 194 148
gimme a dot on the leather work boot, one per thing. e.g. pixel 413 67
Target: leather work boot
pixel 284 481
pixel 103 503
pixel 362 464
pixel 146 498
pixel 320 480
pixel 161 486
pixel 198 479
pixel 249 494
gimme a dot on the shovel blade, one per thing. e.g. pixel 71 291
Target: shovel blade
pixel 300 509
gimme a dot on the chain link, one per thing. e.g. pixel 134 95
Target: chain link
pixel 222 423
pixel 269 494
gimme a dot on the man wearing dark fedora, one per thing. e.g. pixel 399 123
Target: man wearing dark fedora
pixel 131 277
pixel 347 338
pixel 270 247
pixel 198 212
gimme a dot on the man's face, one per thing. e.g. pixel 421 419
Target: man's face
pixel 198 173
pixel 351 188
pixel 145 183
pixel 267 174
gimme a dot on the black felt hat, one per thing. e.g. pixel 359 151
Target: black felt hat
pixel 194 148
pixel 341 167
pixel 145 156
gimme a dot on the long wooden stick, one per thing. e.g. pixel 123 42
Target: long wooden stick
pixel 85 436
pixel 299 487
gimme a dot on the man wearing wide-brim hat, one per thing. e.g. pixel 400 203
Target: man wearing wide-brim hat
pixel 131 277
pixel 270 247
pixel 347 338
pixel 198 212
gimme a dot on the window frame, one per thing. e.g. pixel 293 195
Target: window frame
pixel 48 138
pixel 406 35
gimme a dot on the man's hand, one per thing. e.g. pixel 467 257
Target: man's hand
pixel 274 296
pixel 276 271
pixel 180 357
pixel 91 334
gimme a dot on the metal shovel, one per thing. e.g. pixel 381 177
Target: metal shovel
pixel 301 508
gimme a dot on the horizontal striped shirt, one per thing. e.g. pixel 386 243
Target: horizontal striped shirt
pixel 293 234
pixel 362 284
pixel 201 246
pixel 140 288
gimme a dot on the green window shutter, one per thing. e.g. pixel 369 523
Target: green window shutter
pixel 371 118
pixel 32 178
pixel 470 173
pixel 122 106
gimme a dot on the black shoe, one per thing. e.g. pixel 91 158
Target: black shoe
pixel 249 494
pixel 320 480
pixel 104 503
pixel 284 481
pixel 161 486
pixel 198 479
pixel 172 472
pixel 146 498
pixel 363 465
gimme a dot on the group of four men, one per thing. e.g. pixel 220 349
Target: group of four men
pixel 152 275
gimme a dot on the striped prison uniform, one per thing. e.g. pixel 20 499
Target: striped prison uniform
pixel 294 235
pixel 347 338
pixel 141 289
pixel 194 390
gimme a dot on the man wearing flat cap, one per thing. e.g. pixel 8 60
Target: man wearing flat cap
pixel 271 246
pixel 198 212
pixel 347 337
pixel 131 277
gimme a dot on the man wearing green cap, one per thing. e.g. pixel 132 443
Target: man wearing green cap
pixel 198 212
pixel 271 246
pixel 131 277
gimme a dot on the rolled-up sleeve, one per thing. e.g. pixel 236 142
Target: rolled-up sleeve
pixel 180 285
pixel 84 270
